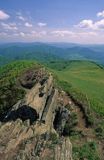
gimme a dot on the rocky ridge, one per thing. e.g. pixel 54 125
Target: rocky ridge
pixel 33 128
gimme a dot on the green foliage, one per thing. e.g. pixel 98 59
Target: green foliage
pixel 9 95
pixel 87 151
pixel 15 68
pixel 99 130
pixel 69 128
pixel 54 138
pixel 10 89
pixel 3 60
pixel 58 65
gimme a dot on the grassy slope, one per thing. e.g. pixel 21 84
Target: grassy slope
pixel 12 70
pixel 87 78
pixel 84 79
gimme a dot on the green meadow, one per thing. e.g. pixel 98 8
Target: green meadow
pixel 84 80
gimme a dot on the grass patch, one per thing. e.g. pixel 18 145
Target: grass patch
pixel 87 151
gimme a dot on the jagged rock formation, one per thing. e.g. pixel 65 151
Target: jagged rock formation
pixel 33 128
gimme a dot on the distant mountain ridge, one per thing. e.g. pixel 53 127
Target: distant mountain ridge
pixel 52 51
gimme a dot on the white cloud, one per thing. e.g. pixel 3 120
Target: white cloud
pixel 85 24
pixel 3 15
pixel 3 34
pixel 86 34
pixel 21 18
pixel 99 24
pixel 100 14
pixel 37 34
pixel 43 33
pixel 10 26
pixel 89 24
pixel 73 34
pixel 87 30
pixel 31 35
pixel 40 24
pixel 16 34
pixel 62 33
pixel 76 36
pixel 22 34
pixel 28 24
pixel 33 32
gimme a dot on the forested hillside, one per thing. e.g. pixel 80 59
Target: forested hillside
pixel 49 52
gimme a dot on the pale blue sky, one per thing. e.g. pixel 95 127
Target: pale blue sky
pixel 79 21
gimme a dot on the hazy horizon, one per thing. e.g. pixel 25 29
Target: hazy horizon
pixel 51 42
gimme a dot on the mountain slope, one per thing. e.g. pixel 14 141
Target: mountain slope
pixel 40 123
pixel 86 77
pixel 49 52
pixel 36 51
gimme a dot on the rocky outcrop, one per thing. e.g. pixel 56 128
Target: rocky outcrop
pixel 32 129
pixel 34 99
pixel 32 76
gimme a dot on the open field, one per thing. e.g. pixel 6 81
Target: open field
pixel 87 79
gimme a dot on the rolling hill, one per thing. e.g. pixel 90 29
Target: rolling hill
pixel 51 52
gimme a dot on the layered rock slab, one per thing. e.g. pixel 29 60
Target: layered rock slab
pixel 25 132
